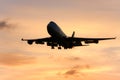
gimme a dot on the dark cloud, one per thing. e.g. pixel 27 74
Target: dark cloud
pixel 71 72
pixel 5 24
pixel 75 71
pixel 14 59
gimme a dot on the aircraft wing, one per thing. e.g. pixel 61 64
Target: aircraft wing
pixel 83 39
pixel 91 40
pixel 37 41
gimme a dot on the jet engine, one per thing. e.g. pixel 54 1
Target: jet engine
pixel 39 42
pixel 29 42
pixel 77 43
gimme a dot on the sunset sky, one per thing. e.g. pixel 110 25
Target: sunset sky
pixel 88 18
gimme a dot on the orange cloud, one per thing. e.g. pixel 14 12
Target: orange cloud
pixel 14 59
pixel 72 58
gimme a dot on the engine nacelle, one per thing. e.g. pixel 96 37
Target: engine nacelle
pixel 77 43
pixel 51 44
pixel 91 41
pixel 39 42
pixel 30 42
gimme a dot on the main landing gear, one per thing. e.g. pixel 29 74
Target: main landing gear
pixel 59 47
pixel 52 47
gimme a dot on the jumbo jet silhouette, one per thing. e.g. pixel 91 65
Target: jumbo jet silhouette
pixel 59 39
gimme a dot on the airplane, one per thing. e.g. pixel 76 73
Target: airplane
pixel 59 39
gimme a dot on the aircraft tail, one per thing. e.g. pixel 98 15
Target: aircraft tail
pixel 73 34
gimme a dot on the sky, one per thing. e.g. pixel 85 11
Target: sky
pixel 88 18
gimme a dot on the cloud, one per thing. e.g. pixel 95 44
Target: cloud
pixel 112 49
pixel 71 72
pixel 5 24
pixel 75 71
pixel 15 59
pixel 72 58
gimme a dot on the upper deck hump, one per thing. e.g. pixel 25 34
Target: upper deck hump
pixel 53 28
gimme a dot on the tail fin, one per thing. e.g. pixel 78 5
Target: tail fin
pixel 73 34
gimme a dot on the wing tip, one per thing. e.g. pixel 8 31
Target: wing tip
pixel 114 38
pixel 22 39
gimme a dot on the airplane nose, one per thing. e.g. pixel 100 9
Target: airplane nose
pixel 51 22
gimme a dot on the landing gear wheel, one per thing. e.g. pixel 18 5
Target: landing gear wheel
pixel 52 47
pixel 65 48
pixel 59 47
